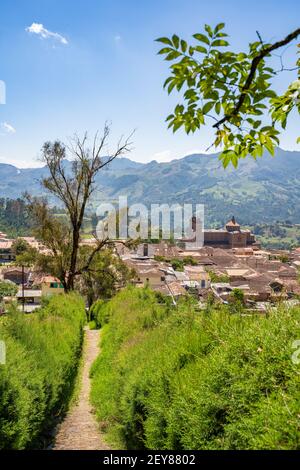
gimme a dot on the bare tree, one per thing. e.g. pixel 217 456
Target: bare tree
pixel 73 186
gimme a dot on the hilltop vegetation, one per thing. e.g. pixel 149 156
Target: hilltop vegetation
pixel 279 235
pixel 185 379
pixel 256 193
pixel 42 354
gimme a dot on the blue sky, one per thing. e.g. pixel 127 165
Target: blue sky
pixel 104 66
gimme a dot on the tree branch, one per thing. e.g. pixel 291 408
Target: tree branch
pixel 89 261
pixel 254 65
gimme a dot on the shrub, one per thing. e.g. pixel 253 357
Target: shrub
pixel 177 264
pixel 42 353
pixel 214 277
pixel 177 379
pixel 189 260
pixel 99 313
pixel 92 325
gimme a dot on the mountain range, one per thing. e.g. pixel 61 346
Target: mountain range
pixel 258 191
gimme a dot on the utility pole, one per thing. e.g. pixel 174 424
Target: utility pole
pixel 23 289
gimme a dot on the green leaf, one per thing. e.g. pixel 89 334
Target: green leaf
pixel 226 160
pixel 179 109
pixel 175 40
pixel 202 38
pixel 165 50
pixel 171 86
pixel 219 43
pixel 183 45
pixel 234 160
pixel 219 27
pixel 177 125
pixel 209 30
pixel 200 49
pixel 269 94
pixel 165 41
pixel 208 106
pixel 269 145
pixel 173 55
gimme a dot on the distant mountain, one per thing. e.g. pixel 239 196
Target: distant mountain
pixel 262 190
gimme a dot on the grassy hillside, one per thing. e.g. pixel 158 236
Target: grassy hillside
pixel 279 235
pixel 42 354
pixel 180 379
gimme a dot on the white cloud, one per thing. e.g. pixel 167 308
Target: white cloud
pixel 8 128
pixel 117 38
pixel 164 156
pixel 38 28
pixel 9 160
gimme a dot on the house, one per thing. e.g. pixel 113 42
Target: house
pixel 238 274
pixel 263 287
pixel 198 276
pixel 51 285
pixel 145 250
pixel 221 290
pixel 175 289
pixel 147 271
pixel 6 253
pixel 166 250
pixel 16 274
pixel 181 276
pixel 29 299
pixel 242 252
pixel 151 276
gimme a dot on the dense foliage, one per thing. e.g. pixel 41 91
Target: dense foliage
pixel 186 379
pixel 42 353
pixel 7 289
pixel 14 218
pixel 108 273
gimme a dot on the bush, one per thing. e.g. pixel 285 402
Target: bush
pixel 92 325
pixel 99 313
pixel 176 379
pixel 177 264
pixel 42 353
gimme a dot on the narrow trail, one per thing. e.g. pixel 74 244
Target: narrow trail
pixel 80 430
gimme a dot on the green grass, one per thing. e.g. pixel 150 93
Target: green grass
pixel 176 379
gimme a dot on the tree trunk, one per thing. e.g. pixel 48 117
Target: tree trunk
pixel 73 263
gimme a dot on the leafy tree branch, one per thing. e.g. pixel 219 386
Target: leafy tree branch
pixel 233 89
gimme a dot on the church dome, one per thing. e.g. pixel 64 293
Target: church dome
pixel 232 225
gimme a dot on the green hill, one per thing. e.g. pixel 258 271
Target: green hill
pixel 260 191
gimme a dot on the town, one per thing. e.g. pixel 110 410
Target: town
pixel 231 260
